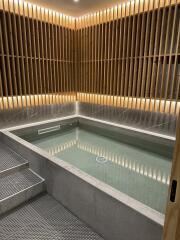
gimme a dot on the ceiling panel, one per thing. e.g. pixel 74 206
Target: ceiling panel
pixel 76 8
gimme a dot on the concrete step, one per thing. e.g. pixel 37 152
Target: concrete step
pixel 10 161
pixel 19 187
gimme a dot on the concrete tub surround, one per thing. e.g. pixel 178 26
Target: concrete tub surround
pixel 109 212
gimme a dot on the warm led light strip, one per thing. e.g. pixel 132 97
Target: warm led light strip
pixel 35 100
pixel 131 102
pixel 100 16
pixel 21 7
pixel 86 20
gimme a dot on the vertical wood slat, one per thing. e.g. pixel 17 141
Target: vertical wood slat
pixel 138 88
pixel 13 69
pixel 30 59
pixel 8 86
pixel 31 72
pixel 175 76
pixel 26 54
pixel 163 83
pixel 30 65
pixel 24 88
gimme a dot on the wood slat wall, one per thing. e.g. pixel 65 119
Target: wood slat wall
pixel 129 56
pixel 36 55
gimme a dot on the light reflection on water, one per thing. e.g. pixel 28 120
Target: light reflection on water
pixel 140 174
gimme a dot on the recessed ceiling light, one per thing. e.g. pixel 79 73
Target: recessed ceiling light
pixel 76 1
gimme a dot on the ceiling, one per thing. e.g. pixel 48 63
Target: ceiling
pixel 75 9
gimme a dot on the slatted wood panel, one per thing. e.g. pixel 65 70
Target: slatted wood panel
pixel 130 56
pixel 127 56
pixel 36 55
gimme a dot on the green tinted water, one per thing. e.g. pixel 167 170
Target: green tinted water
pixel 140 174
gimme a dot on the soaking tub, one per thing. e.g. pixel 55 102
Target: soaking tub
pixel 114 178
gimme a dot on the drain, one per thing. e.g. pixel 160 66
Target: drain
pixel 101 159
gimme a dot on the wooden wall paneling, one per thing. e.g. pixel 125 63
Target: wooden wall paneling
pixel 47 78
pixel 17 54
pixel 115 57
pixel 75 63
pixel 105 56
pixel 83 59
pixel 133 46
pixel 60 57
pixel 38 56
pixel 124 14
pixel 100 56
pixel 158 78
pixel 165 61
pixel 13 69
pixel 169 80
pixel 25 42
pixel 122 66
pixel 70 51
pixel 66 60
pixel 57 61
pixel 86 59
pixel 71 61
pixel 21 56
pixel 108 55
pixel 176 77
pixel 111 75
pixel 93 59
pixel 89 57
pixel 63 57
pixel 2 71
pixel 141 59
pixel 127 55
pixel 51 65
pixel 53 25
pixel 98 59
pixel 122 56
pixel 145 59
pixel 154 53
pixel 1 94
pixel 150 58
pixel 136 53
pixel 5 101
pixel 119 56
pixel 80 59
pixel 7 60
pixel 42 50
pixel 34 59
pixel 29 54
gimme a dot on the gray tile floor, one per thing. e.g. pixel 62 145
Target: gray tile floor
pixel 43 218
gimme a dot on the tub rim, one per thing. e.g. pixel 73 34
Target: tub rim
pixel 123 198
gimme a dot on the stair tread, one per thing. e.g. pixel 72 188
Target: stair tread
pixel 9 158
pixel 17 182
